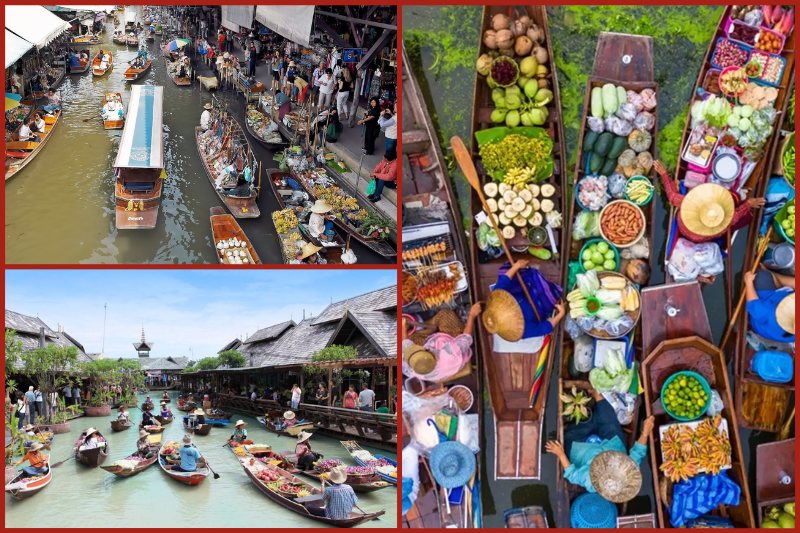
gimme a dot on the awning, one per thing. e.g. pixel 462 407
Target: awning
pixel 142 143
pixel 235 16
pixel 35 24
pixel 291 22
pixel 105 9
pixel 16 47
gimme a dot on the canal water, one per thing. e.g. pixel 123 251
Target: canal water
pixel 442 44
pixel 93 498
pixel 60 207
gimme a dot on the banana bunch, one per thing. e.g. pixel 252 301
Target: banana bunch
pixel 519 176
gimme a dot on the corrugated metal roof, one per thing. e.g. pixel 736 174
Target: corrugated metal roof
pixel 377 300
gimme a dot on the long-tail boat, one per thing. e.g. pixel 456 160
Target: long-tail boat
pixel 426 181
pixel 754 184
pixel 139 167
pixel 187 478
pixel 510 376
pixel 20 153
pixel 624 61
pixel 224 228
pixel 135 73
pixel 82 65
pixel 116 121
pixel 226 144
pixel 678 336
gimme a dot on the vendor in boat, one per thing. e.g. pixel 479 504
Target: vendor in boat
pixel 508 312
pixel 384 174
pixel 708 211
pixel 143 444
pixel 338 497
pixel 205 117
pixel 302 450
pixel 189 456
pixel 165 412
pixel 32 435
pixel 239 432
pixel 53 102
pixel 123 415
pixel 289 419
pixel 113 110
pixel 148 419
pixel 206 402
pixel 602 434
pixel 309 254
pixel 770 306
pixel 165 396
pixel 198 418
pixel 38 125
pixel 319 225
pixel 91 440
pixel 225 177
pixel 36 459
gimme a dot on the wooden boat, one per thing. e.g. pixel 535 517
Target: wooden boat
pixel 252 468
pixel 94 456
pixel 173 69
pixel 509 376
pixel 118 123
pixel 132 40
pixel 153 428
pixel 148 405
pixel 101 68
pixel 82 66
pixel 223 228
pixel 186 406
pixel 263 453
pixel 384 248
pixel 755 184
pixel 235 149
pixel 678 320
pixel 133 74
pixel 119 37
pixel 363 457
pixel 187 478
pixel 139 167
pixel 202 429
pixel 360 484
pixel 120 425
pixel 636 75
pixel 23 486
pixel 121 471
pixel 216 414
pixel 165 400
pixel 425 179
pixel 333 250
pixel 20 153
pixel 291 431
pixel 252 115
pixel 87 38
pixel 774 462
pixel 164 419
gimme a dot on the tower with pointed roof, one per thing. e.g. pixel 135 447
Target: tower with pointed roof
pixel 143 347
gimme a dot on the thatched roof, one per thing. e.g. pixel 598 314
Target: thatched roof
pixel 30 330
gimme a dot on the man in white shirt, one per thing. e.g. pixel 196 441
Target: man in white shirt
pixel 25 133
pixel 205 118
pixel 326 86
pixel 388 121
pixel 316 76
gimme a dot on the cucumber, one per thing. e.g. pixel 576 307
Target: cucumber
pixel 622 95
pixel 603 144
pixel 597 102
pixel 617 146
pixel 596 163
pixel 540 253
pixel 589 140
pixel 609 166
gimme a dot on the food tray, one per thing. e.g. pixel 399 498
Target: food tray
pixel 735 22
pixel 744 47
pixel 635 239
pixel 635 315
pixel 780 37
pixel 710 84
pixel 228 260
pixel 693 424
pixel 462 284
pixel 703 164
pixel 770 57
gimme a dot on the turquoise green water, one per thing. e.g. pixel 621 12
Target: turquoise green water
pixel 86 497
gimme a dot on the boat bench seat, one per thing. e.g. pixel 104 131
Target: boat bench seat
pixel 139 186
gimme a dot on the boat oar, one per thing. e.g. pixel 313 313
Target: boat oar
pixel 364 512
pixel 62 462
pixel 787 427
pixel 91 118
pixel 216 476
pixel 762 247
pixel 467 166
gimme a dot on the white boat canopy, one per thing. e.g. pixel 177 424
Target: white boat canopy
pixel 35 24
pixel 142 142
pixel 96 9
pixel 16 47
pixel 291 22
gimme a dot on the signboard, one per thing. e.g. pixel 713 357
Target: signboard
pixel 352 55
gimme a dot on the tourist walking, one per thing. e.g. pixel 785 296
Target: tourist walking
pixel 327 84
pixel 21 410
pixel 30 405
pixel 388 122
pixel 76 395
pixel 67 393
pixel 345 86
pixel 252 59
pixel 276 71
pixel 366 398
pixel 316 77
pixel 39 402
pixel 296 394
pixel 371 127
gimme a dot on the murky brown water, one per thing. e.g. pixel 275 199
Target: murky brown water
pixel 60 207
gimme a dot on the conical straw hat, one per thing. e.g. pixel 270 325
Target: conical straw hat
pixel 615 476
pixel 784 314
pixel 707 209
pixel 503 316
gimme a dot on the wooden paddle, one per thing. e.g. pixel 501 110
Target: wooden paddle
pixel 762 247
pixel 216 476
pixel 787 427
pixel 467 166
pixel 62 462
pixel 91 118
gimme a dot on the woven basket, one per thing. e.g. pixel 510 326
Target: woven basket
pixel 448 321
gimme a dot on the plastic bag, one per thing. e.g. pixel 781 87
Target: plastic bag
pixel 583 355
pixel 638 250
pixel 682 265
pixel 709 258
pixel 602 381
pixel 469 432
pixel 623 404
pixel 596 124
pixel 618 326
pixel 716 406
pixel 616 185
pixel 416 412
pixel 572 328
pixel 487 237
pixel 586 226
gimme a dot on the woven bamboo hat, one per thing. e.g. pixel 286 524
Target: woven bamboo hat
pixel 303 436
pixel 289 415
pixel 198 412
pixel 28 427
pixel 707 209
pixel 208 106
pixel 309 249
pixel 419 359
pixel 321 206
pixel 36 446
pixel 143 433
pixel 784 314
pixel 615 476
pixel 448 322
pixel 337 475
pixel 240 423
pixel 90 431
pixel 503 316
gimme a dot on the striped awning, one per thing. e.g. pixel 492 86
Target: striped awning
pixel 142 143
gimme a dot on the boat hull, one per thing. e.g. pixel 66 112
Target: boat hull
pixel 118 425
pixel 27 148
pixel 187 478
pixel 123 472
pixel 20 490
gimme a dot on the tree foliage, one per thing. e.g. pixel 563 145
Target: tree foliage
pixel 207 363
pixel 48 368
pixel 231 359
pixel 105 374
pixel 335 352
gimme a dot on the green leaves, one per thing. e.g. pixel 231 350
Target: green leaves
pixel 232 359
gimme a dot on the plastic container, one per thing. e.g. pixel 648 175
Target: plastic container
pixel 745 48
pixel 590 510
pixel 728 70
pixel 767 58
pixel 780 36
pixel 592 306
pixel 703 384
pixel 780 216
pixel 733 24
pixel 595 240
pixel 711 81
pixel 640 178
pixel 773 366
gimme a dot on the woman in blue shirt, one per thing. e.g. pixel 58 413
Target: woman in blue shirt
pixel 771 305
pixel 601 433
